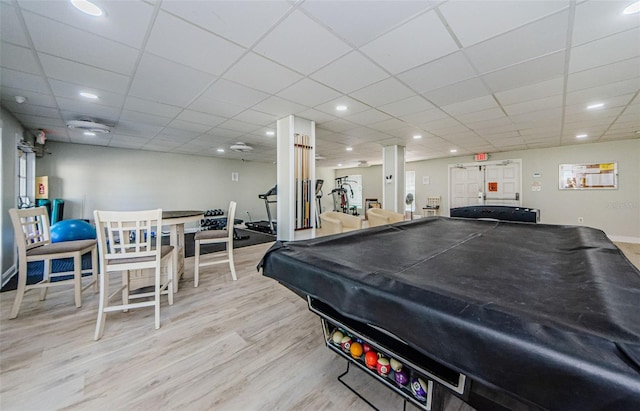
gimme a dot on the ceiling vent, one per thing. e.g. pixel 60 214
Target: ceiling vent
pixel 363 163
pixel 320 157
pixel 88 125
pixel 241 147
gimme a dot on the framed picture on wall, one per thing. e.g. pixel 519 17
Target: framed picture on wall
pixel 598 176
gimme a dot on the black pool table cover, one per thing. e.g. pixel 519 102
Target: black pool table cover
pixel 549 314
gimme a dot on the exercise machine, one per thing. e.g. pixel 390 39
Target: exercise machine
pixel 269 226
pixel 319 194
pixel 340 196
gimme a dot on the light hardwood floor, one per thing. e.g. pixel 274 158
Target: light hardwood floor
pixel 245 345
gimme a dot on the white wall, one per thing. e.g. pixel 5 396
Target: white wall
pixel 616 212
pixel 12 132
pixel 93 177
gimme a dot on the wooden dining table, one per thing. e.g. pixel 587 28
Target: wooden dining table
pixel 176 221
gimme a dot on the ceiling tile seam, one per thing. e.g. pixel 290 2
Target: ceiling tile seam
pixel 143 46
pixel 34 53
pixel 619 115
pixel 567 62
pixel 607 36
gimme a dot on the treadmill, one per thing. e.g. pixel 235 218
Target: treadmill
pixel 270 226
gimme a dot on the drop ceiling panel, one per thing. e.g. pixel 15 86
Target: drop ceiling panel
pixel 353 107
pixel 144 118
pixel 151 107
pixel 470 106
pixel 531 91
pixel 602 93
pixel 37 99
pixel 19 58
pixel 171 37
pixel 306 52
pixel 317 116
pixel 338 125
pixel 530 72
pixel 374 17
pixel 72 72
pixel 224 90
pixel 368 117
pixel 216 107
pixel 383 92
pixel 525 43
pixel 139 130
pixel 423 39
pixel 534 105
pixel 192 116
pixel 72 91
pixel 406 106
pixel 475 21
pixel 125 22
pixel 279 107
pixel 259 73
pixel 37 111
pixel 20 80
pixel 309 93
pixel 599 76
pixel 81 46
pixel 442 72
pixel 388 125
pixel 350 73
pixel 167 82
pixel 240 126
pixel 11 29
pixel 243 22
pixel 257 117
pixel 605 51
pixel 188 126
pixel 424 117
pixel 455 93
pixel 609 16
pixel 79 109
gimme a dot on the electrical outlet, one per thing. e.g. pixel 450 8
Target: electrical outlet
pixel 580 220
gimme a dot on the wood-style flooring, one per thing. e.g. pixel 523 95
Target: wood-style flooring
pixel 245 345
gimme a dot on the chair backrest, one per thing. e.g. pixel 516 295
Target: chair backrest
pixel 30 227
pixel 128 234
pixel 231 216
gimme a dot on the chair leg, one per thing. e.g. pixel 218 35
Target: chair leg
pixel 102 304
pixel 94 269
pixel 170 278
pixel 196 269
pixel 125 288
pixel 231 263
pixel 22 285
pixel 77 276
pixel 46 272
pixel 157 296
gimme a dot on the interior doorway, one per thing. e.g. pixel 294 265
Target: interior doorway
pixel 490 183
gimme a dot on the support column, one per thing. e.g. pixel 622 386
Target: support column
pixel 296 174
pixel 393 178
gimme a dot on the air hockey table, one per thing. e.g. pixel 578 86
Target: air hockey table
pixel 520 315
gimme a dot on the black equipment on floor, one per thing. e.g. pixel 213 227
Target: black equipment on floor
pixel 496 212
pixel 319 194
pixel 269 226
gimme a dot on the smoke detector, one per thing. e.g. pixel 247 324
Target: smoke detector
pixel 241 147
pixel 88 125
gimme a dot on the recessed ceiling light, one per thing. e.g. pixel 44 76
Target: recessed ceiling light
pixel 582 136
pixel 270 133
pixel 89 133
pixel 594 106
pixel 453 150
pixel 88 95
pixel 220 150
pixel 632 8
pixel 341 108
pixel 87 7
pixel 417 137
pixel 339 164
pixel 349 148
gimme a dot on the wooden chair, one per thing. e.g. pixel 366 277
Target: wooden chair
pixel 432 208
pixel 126 244
pixel 216 237
pixel 33 239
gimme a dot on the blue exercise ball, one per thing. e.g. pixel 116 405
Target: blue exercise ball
pixel 71 230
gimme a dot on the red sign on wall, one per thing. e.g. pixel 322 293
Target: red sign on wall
pixel 493 186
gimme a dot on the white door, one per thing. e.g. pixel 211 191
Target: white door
pixel 466 186
pixel 488 184
pixel 502 184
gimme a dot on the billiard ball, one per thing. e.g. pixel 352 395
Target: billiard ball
pixel 419 388
pixel 383 367
pixel 356 350
pixel 337 337
pixel 395 365
pixel 346 343
pixel 401 377
pixel 371 360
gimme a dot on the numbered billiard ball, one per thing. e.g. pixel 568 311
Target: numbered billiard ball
pixel 401 377
pixel 346 343
pixel 356 350
pixel 383 367
pixel 419 388
pixel 337 337
pixel 395 365
pixel 371 360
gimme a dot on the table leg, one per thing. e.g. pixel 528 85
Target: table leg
pixel 176 239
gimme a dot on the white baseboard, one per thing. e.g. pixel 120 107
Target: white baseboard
pixel 624 239
pixel 6 276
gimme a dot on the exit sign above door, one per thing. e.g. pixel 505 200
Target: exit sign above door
pixel 481 157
